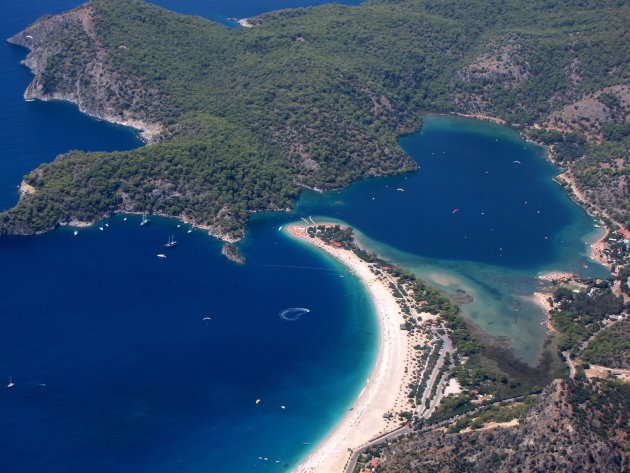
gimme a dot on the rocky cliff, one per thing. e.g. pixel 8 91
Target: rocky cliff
pixel 69 63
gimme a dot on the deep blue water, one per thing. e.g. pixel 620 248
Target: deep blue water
pixel 481 197
pixel 136 380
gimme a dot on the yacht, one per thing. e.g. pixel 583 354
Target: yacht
pixel 11 383
pixel 144 221
pixel 171 242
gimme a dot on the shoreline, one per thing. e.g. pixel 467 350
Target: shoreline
pixel 385 390
pixel 540 298
pixel 595 248
pixel 244 22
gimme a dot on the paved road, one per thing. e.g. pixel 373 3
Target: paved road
pixel 394 434
pixel 447 347
pixel 401 431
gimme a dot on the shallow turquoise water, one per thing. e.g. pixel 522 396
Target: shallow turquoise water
pixel 136 380
pixel 482 214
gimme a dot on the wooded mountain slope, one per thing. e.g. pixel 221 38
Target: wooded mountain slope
pixel 317 97
pixel 574 426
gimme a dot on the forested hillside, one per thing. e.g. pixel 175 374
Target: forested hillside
pixel 239 119
pixel 574 426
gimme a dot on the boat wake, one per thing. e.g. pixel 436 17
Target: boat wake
pixel 293 314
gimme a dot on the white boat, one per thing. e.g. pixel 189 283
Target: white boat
pixel 171 242
pixel 144 221
pixel 190 231
pixel 76 232
pixel 11 383
pixel 161 255
pixel 100 228
pixel 125 219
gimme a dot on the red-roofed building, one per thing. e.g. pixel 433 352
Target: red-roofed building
pixel 625 233
pixel 374 462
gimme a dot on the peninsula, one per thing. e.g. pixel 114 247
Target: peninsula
pixel 238 120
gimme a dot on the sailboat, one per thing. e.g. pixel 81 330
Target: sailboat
pixel 144 221
pixel 171 242
pixel 11 383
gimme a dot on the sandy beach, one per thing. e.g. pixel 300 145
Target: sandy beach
pixel 542 299
pixel 597 251
pixel 385 389
pixel 244 22
pixel 555 276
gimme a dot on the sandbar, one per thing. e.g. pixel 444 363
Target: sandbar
pixel 386 388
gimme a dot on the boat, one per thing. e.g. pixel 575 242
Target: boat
pixel 171 242
pixel 144 221
pixel 100 228
pixel 76 232
pixel 189 231
pixel 400 189
pixel 161 255
pixel 11 383
pixel 455 211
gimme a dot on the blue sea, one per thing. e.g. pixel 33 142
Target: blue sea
pixel 127 362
